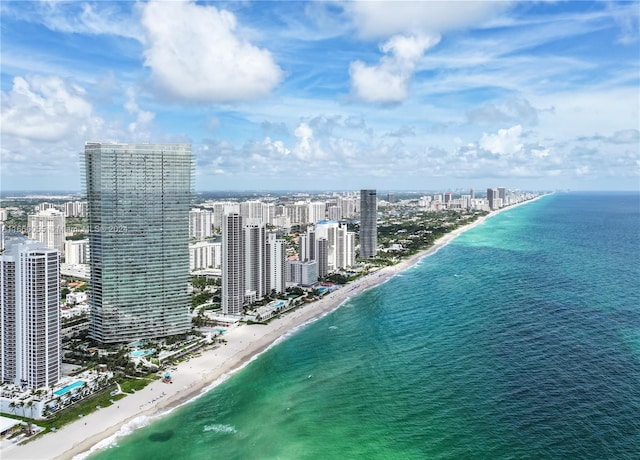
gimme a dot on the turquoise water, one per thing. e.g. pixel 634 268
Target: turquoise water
pixel 68 388
pixel 521 339
pixel 138 353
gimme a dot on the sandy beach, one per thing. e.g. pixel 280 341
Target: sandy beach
pixel 198 374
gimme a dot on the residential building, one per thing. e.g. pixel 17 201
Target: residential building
pixel 200 224
pixel 205 254
pixel 31 347
pixel 255 278
pixel 317 211
pixel 47 226
pixel 276 256
pixel 139 198
pixel 368 223
pixel 233 260
pixel 303 273
pixel 76 252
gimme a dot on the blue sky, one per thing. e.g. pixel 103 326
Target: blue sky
pixel 328 95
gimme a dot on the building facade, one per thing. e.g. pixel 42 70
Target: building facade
pixel 31 345
pixel 138 211
pixel 276 263
pixel 255 278
pixel 233 260
pixel 200 224
pixel 47 226
pixel 368 223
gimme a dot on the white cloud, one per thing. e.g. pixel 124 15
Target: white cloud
pixel 196 54
pixel 625 136
pixel 45 109
pixel 275 147
pixel 384 18
pixel 143 117
pixel 388 81
pixel 505 142
pixel 307 148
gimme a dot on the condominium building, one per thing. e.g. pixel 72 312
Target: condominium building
pixel 303 273
pixel 47 226
pixel 205 254
pixel 200 224
pixel 276 256
pixel 138 197
pixel 233 260
pixel 368 223
pixel 76 252
pixel 255 277
pixel 30 348
pixel 322 257
pixel 317 211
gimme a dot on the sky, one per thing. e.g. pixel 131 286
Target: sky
pixel 329 95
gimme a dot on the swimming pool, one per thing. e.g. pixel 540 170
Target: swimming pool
pixel 138 353
pixel 68 388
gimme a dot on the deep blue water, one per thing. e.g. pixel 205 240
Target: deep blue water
pixel 521 339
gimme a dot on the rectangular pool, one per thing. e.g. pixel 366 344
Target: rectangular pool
pixel 68 388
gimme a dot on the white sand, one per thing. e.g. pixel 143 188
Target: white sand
pixel 197 374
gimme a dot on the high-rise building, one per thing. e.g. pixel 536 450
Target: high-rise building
pixel 368 224
pixel 205 254
pixel 200 224
pixel 322 257
pixel 31 347
pixel 138 197
pixel 233 260
pixel 47 226
pixel 502 195
pixel 76 252
pixel 276 263
pixel 255 278
pixel 317 211
pixel 303 273
pixel 492 198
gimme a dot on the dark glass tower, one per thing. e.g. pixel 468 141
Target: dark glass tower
pixel 368 223
pixel 138 197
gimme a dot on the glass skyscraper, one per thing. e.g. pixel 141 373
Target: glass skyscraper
pixel 368 223
pixel 139 199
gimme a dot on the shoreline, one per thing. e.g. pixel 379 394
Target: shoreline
pixel 199 374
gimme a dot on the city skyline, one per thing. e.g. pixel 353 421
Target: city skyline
pixel 415 95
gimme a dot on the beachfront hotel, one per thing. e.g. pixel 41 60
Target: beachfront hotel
pixel 368 223
pixel 139 199
pixel 30 349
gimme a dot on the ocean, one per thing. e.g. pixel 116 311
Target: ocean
pixel 520 339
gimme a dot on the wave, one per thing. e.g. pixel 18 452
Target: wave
pixel 111 441
pixel 220 428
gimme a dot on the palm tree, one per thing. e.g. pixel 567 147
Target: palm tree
pixel 21 404
pixel 12 406
pixel 30 405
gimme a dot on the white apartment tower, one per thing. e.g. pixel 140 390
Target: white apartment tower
pixel 317 211
pixel 205 254
pixel 233 260
pixel 200 224
pixel 255 278
pixel 31 347
pixel 47 226
pixel 76 252
pixel 276 257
